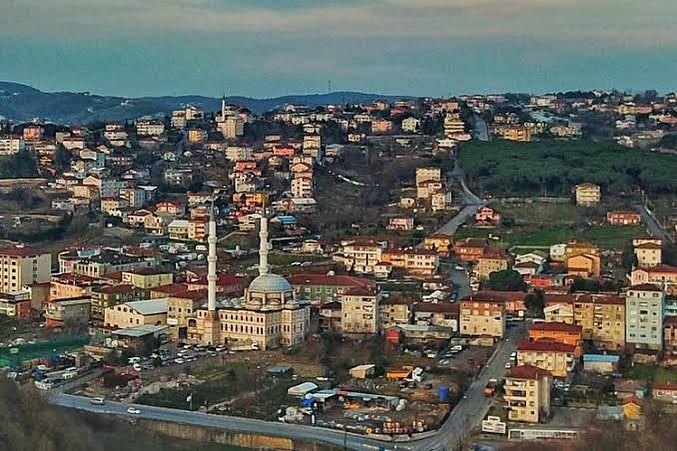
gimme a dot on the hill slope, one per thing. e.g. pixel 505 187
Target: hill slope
pixel 24 103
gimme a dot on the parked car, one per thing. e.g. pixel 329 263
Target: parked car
pixel 97 401
pixel 133 411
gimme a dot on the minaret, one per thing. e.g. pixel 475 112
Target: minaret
pixel 211 327
pixel 211 263
pixel 223 107
pixel 263 246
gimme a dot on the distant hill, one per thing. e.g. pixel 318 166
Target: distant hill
pixel 24 103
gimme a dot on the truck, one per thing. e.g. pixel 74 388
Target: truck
pixel 490 388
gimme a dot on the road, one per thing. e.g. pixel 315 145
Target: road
pixel 480 128
pixel 463 418
pixel 651 224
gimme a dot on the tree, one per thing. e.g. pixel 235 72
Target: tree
pixel 629 258
pixel 535 302
pixel 508 280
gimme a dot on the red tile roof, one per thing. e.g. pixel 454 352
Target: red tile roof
pixel 527 372
pixel 545 346
pixel 645 287
pixel 440 307
pixel 19 251
pixel 557 327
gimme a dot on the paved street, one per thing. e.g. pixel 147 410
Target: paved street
pixel 652 224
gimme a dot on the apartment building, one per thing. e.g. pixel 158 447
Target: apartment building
pixel 395 310
pixel 490 262
pixel 412 261
pixel 648 254
pixel 149 128
pixel 440 314
pixel 111 295
pixel 517 133
pixel 320 289
pixel 302 188
pixel 644 306
pixel 623 218
pixel 557 358
pixel 147 278
pixel 570 334
pixel 359 311
pixel 527 394
pixel 359 256
pixel 602 319
pixel 441 243
pixel 22 266
pixel 587 194
pixel 68 312
pixel 10 145
pixel 484 318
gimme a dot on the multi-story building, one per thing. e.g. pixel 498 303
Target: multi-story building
pixel 111 295
pixel 181 306
pixel 320 289
pixel 559 313
pixel 149 128
pixel 648 254
pixel 68 312
pixel 302 188
pixel 588 194
pixel 10 145
pixel 22 266
pixel 16 304
pixel 470 249
pixel 569 334
pixel 440 314
pixel 71 285
pixel 359 311
pixel 482 317
pixel 108 262
pixel 670 335
pixel 410 125
pixel 527 394
pixel 490 262
pixel 146 278
pixel 359 256
pixel 412 261
pixel 644 317
pixel 232 127
pixel 136 313
pixel 602 318
pixel 440 242
pixel 517 133
pixel 428 174
pixel 395 310
pixel 623 218
pixel 557 358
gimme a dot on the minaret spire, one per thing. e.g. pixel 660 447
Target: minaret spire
pixel 211 262
pixel 263 246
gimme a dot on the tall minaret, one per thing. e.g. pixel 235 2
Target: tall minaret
pixel 211 263
pixel 263 246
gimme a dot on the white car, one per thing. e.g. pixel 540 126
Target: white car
pixel 459 268
pixel 133 411
pixel 508 365
pixel 98 401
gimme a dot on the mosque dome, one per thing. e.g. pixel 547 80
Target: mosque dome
pixel 270 283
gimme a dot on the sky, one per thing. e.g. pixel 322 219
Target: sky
pixel 266 48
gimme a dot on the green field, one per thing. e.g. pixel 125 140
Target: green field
pixel 541 225
pixel 505 168
pixel 651 373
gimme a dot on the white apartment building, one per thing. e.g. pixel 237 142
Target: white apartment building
pixel 149 128
pixel 10 145
pixel 20 266
pixel 302 187
pixel 644 310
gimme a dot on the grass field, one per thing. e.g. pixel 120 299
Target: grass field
pixel 540 225
pixel 652 373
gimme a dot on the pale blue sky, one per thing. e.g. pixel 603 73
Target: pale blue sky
pixel 266 48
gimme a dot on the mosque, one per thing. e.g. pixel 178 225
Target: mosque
pixel 267 317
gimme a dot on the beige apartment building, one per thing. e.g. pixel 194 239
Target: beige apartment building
pixel 146 278
pixel 527 394
pixel 602 318
pixel 490 263
pixel 588 194
pixel 484 318
pixel 552 356
pixel 359 311
pixel 151 312
pixel 359 256
pixel 22 266
pixel 394 310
